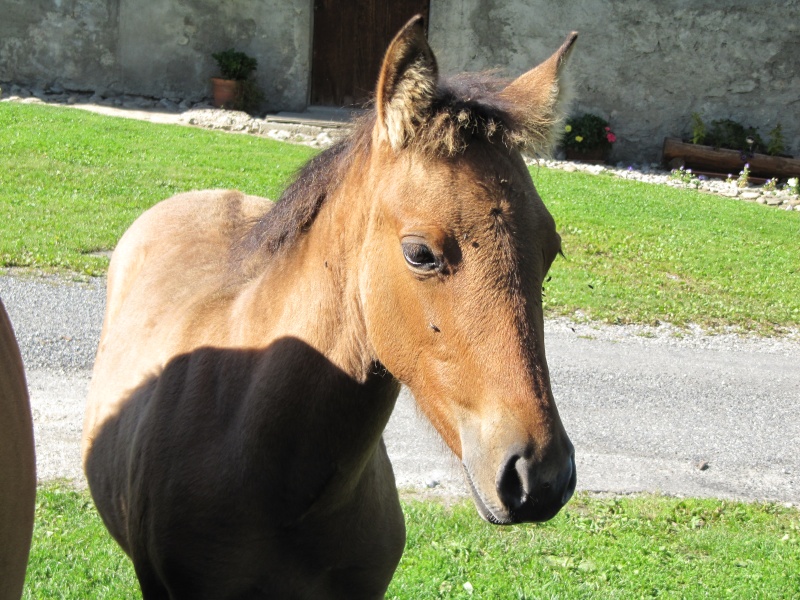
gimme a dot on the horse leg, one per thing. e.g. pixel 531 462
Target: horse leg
pixel 150 583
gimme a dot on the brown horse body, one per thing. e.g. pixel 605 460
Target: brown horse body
pixel 251 356
pixel 17 466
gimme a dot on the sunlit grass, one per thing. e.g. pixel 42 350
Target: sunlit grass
pixel 643 253
pixel 72 182
pixel 631 547
pixel 641 547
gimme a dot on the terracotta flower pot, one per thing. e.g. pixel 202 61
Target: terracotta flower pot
pixel 224 92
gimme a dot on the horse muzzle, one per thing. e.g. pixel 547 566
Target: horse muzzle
pixel 525 489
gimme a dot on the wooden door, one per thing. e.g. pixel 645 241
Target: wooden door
pixel 350 38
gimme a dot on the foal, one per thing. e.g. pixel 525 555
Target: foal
pixel 251 356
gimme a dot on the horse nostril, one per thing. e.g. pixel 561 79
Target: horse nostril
pixel 530 491
pixel 509 485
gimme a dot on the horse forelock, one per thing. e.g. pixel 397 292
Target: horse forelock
pixel 467 108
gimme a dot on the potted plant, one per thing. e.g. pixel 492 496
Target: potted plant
pixel 234 89
pixel 725 146
pixel 588 138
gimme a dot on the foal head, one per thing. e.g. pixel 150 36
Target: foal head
pixel 456 247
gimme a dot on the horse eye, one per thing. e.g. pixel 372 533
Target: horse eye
pixel 419 256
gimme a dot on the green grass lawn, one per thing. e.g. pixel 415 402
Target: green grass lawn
pixel 645 253
pixel 71 182
pixel 643 547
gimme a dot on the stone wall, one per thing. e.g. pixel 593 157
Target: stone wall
pixel 160 48
pixel 50 42
pixel 645 65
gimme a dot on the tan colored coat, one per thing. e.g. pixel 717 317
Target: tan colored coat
pixel 251 355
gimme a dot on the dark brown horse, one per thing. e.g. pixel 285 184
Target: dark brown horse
pixel 251 356
pixel 17 465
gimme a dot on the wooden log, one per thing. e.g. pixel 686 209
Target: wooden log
pixel 722 160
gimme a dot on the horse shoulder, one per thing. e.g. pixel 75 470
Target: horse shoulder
pixel 194 227
pixel 163 286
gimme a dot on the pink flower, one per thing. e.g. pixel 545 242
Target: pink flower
pixel 611 137
pixel 608 128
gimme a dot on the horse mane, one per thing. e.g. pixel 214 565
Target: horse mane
pixel 299 204
pixel 467 107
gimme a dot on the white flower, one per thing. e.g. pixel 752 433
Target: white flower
pixel 793 182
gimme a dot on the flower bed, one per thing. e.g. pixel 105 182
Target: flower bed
pixel 783 197
pixel 588 138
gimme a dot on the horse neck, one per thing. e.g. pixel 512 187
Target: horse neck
pixel 309 290
pixel 335 392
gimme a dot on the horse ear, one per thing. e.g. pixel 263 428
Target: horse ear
pixel 407 84
pixel 538 99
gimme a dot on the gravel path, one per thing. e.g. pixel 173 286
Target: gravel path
pixel 648 409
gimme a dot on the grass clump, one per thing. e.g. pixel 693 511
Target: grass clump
pixel 630 547
pixel 72 554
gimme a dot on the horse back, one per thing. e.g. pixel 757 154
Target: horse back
pixel 188 243
pixel 175 256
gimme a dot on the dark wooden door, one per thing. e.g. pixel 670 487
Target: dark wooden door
pixel 350 38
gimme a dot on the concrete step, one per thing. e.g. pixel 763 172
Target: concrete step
pixel 319 116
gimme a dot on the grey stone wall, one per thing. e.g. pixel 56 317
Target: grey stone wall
pixel 160 48
pixel 645 65
pixel 51 42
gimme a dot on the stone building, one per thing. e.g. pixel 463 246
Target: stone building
pixel 645 65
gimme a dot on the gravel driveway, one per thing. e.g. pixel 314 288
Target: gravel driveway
pixel 648 409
